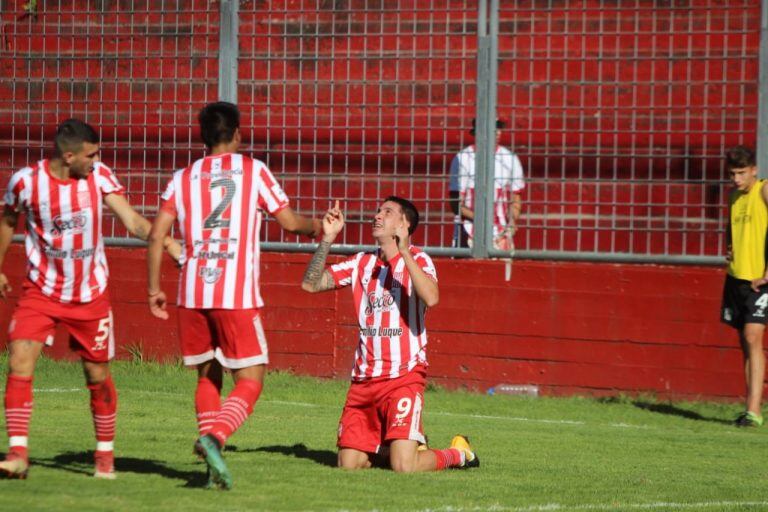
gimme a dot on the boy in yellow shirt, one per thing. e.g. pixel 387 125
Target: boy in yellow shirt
pixel 745 293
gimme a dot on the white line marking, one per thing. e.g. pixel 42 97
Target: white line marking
pixel 492 417
pixel 509 418
pixel 283 402
pixel 661 505
pixel 487 417
pixel 56 390
pixel 627 425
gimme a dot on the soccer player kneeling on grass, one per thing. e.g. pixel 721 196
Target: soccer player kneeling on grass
pixel 392 289
pixel 66 283
pixel 218 202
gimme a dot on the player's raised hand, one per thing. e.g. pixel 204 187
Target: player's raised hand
pixel 5 287
pixel 157 303
pixel 333 221
pixel 401 236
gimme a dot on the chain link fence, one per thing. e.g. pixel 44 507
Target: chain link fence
pixel 619 111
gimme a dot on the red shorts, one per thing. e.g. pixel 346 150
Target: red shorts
pixel 234 337
pixel 383 410
pixel 89 325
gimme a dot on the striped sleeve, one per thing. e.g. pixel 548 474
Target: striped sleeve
pixel 342 272
pixel 106 180
pixel 13 195
pixel 271 195
pixel 426 264
pixel 168 197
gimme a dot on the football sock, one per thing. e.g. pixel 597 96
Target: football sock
pixel 104 412
pixel 207 403
pixel 236 409
pixel 18 410
pixel 448 458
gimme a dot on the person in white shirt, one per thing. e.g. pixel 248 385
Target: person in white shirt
pixel 507 201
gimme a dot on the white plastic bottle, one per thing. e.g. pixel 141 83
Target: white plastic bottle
pixel 514 389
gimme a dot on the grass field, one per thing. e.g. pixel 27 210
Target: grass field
pixel 537 454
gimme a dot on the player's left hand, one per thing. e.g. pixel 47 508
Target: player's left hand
pixel 757 283
pixel 157 303
pixel 401 237
pixel 333 222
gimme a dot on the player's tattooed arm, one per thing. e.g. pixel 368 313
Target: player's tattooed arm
pixel 316 277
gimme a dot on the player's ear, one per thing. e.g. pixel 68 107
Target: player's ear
pixel 405 223
pixel 68 157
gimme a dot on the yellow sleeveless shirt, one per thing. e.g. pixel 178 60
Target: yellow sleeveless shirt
pixel 749 224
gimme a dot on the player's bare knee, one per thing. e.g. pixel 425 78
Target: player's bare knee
pixel 754 340
pixel 403 462
pixel 351 464
pixel 353 459
pixel 95 373
pixel 403 466
pixel 22 357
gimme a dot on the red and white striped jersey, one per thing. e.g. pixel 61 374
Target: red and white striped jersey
pixel 393 338
pixel 65 251
pixel 508 180
pixel 218 202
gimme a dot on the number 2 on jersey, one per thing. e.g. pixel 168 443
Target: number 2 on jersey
pixel 214 220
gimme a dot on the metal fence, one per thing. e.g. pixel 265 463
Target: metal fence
pixel 619 111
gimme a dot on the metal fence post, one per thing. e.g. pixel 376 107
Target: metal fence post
pixel 490 122
pixel 228 50
pixel 762 102
pixel 484 118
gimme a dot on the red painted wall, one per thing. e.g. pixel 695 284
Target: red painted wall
pixel 583 328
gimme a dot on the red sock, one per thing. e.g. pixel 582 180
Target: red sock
pixel 448 458
pixel 207 403
pixel 18 410
pixel 104 412
pixel 236 409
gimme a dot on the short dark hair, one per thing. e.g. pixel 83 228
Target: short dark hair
pixel 71 134
pixel 218 122
pixel 500 125
pixel 410 211
pixel 739 157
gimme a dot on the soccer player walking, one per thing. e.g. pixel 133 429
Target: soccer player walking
pixel 218 202
pixel 392 289
pixel 61 199
pixel 745 292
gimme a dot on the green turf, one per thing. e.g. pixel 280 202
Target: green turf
pixel 537 454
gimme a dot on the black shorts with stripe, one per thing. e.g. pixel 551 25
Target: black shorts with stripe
pixel 743 305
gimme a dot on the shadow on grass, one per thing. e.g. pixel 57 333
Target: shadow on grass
pixel 673 410
pixel 82 463
pixel 300 451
